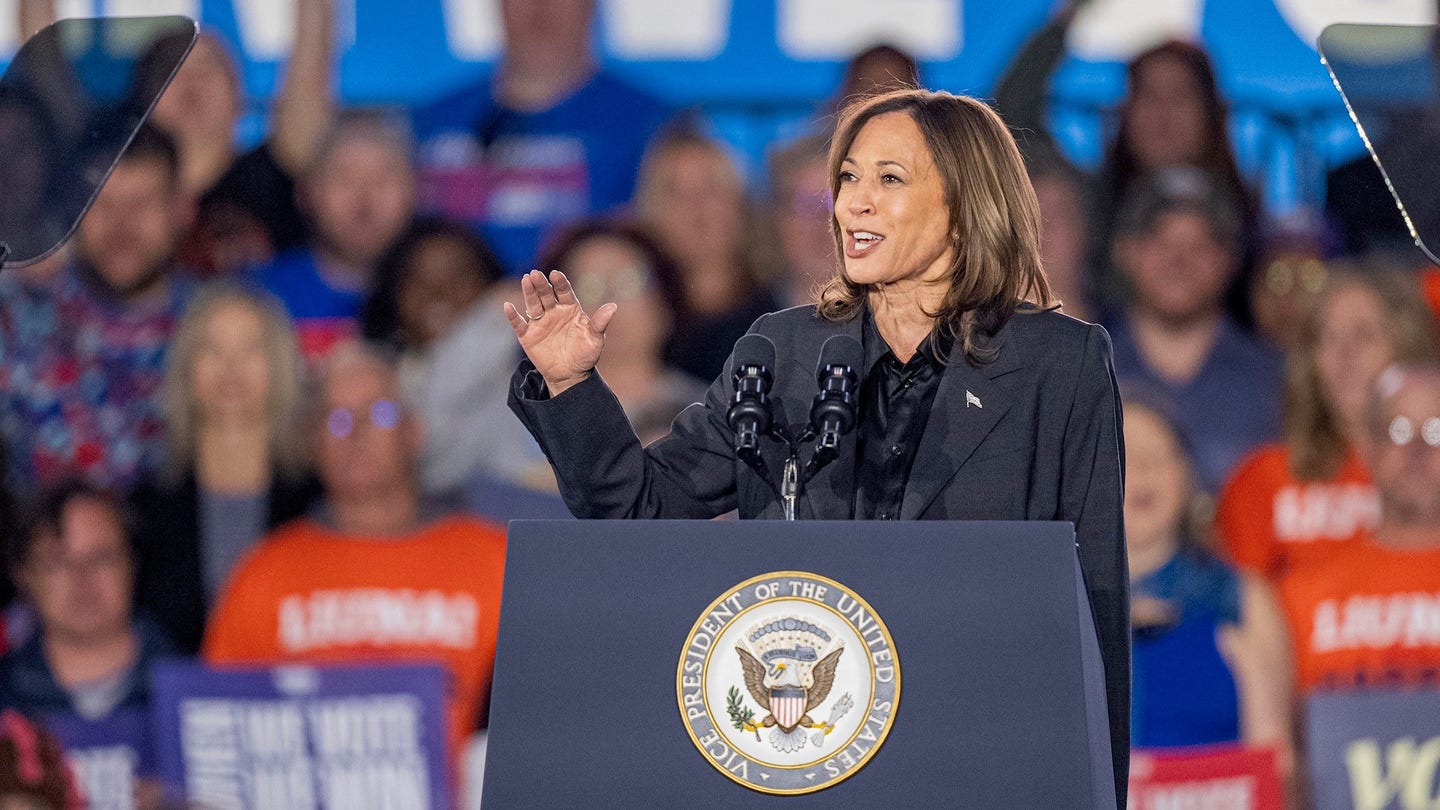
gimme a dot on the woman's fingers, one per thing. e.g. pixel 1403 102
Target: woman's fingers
pixel 564 292
pixel 517 321
pixel 530 293
pixel 544 290
pixel 601 319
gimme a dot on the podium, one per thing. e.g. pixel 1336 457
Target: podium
pixel 996 698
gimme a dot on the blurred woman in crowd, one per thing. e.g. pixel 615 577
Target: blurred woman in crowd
pixel 1294 502
pixel 236 466
pixel 435 304
pixel 1060 189
pixel 610 261
pixel 1172 115
pixel 691 196
pixel 1209 645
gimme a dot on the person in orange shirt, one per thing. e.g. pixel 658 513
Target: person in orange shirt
pixel 1293 503
pixel 372 577
pixel 1365 617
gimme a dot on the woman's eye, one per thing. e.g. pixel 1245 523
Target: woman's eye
pixel 846 177
pixel 889 178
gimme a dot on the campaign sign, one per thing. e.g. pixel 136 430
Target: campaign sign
pixel 1222 777
pixel 302 737
pixel 107 755
pixel 1374 750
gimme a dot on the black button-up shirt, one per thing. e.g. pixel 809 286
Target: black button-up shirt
pixel 894 406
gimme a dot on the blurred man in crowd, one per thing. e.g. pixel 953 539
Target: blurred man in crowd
pixel 81 358
pixel 549 139
pixel 375 576
pixel 359 196
pixel 1365 616
pixel 89 655
pixel 1176 247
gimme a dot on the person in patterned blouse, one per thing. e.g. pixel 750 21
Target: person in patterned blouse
pixel 81 357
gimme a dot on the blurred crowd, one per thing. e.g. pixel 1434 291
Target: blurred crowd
pixel 248 408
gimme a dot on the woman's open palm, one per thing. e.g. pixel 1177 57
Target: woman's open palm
pixel 557 335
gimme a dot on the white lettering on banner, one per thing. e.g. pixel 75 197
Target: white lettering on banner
pixel 838 29
pixel 1404 777
pixel 107 775
pixel 379 617
pixel 665 29
pixel 1325 511
pixel 267 27
pixel 211 747
pixel 472 29
pixel 355 753
pixel 1235 793
pixel 1115 30
pixel 1366 621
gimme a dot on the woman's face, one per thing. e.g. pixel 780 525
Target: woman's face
pixel 894 223
pixel 1157 480
pixel 1165 116
pixel 232 374
pixel 607 269
pixel 698 205
pixel 1353 346
pixel 442 280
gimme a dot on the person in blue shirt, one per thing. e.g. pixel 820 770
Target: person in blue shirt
pixel 548 139
pixel 359 199
pixel 1209 649
pixel 1178 246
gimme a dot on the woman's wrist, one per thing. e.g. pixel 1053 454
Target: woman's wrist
pixel 557 387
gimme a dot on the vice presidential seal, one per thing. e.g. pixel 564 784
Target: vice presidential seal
pixel 788 683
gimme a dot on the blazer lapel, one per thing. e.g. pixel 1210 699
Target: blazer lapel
pixel 967 407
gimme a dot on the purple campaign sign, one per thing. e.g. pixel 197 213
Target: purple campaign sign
pixel 107 754
pixel 1375 750
pixel 326 738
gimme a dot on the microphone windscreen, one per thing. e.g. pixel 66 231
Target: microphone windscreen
pixel 754 350
pixel 841 350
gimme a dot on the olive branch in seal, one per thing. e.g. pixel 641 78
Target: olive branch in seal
pixel 740 714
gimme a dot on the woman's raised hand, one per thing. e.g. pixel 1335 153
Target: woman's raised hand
pixel 561 340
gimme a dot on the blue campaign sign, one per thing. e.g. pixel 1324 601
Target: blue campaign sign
pixel 332 737
pixel 1378 750
pixel 107 755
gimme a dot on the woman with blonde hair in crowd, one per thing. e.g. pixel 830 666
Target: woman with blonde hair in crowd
pixel 692 197
pixel 236 466
pixel 1294 502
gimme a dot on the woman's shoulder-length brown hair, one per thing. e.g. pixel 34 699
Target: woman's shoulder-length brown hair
pixel 994 216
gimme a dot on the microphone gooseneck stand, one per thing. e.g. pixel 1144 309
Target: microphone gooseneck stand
pixel 832 415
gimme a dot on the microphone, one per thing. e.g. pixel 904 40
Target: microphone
pixel 749 412
pixel 833 414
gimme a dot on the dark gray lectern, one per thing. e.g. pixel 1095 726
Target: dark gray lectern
pixel 1002 703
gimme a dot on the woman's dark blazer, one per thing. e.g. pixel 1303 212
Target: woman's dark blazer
pixel 169 580
pixel 1035 434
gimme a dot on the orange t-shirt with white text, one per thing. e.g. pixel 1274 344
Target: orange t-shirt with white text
pixel 308 594
pixel 1271 523
pixel 1370 615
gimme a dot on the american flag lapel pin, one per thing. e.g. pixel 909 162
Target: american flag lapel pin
pixel 971 399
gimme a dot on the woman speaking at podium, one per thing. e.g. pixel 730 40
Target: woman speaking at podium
pixel 977 400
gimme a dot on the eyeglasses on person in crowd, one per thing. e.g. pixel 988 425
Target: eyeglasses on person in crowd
pixel 621 284
pixel 1402 431
pixel 382 413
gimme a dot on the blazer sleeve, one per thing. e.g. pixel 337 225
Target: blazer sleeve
pixel 600 465
pixel 1092 497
